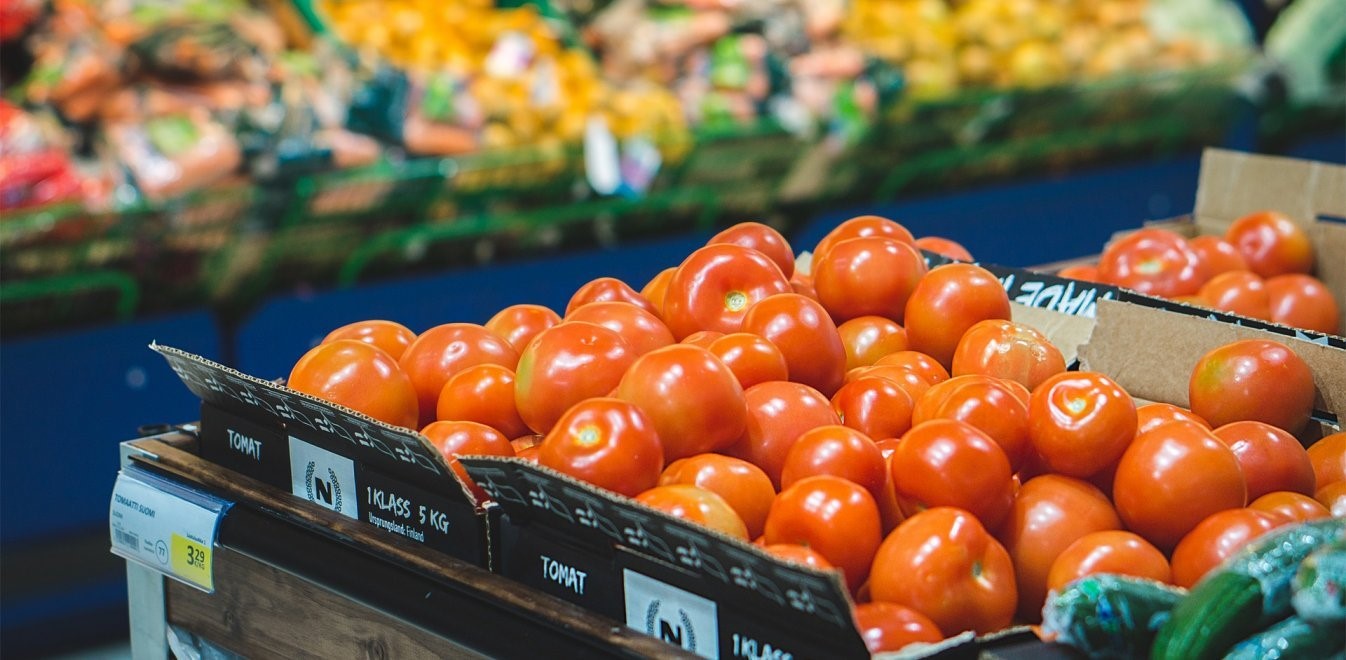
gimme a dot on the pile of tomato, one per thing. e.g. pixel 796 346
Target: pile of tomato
pixel 869 416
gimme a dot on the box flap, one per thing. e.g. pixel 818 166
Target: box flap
pixel 1329 253
pixel 1232 184
pixel 1066 332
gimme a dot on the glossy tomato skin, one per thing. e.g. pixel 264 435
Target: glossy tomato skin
pixel 985 403
pixel 944 462
pixel 444 350
pixel 454 439
pixel 1217 255
pixel 1173 477
pixel 944 246
pixel 911 382
pixel 751 357
pixel 716 285
pixel 876 407
pixel 1271 459
pixel 1080 422
pixel 1252 379
pixel 1303 301
pixel 1082 272
pixel 642 330
pixel 1291 506
pixel 360 376
pixel 1151 415
pixel 839 451
pixel 484 394
pixel 778 413
pixel 743 485
pixel 1153 261
pixel 657 287
pixel 764 239
pixel 928 368
pixel 1215 539
pixel 698 506
pixel 868 338
pixel 1271 243
pixel 1009 350
pixel 1110 551
pixel 943 563
pixel 805 335
pixel 693 400
pixel 1328 456
pixel 834 517
pixel 564 365
pixel 518 324
pixel 948 301
pixel 1237 292
pixel 889 627
pixel 861 226
pixel 1333 496
pixel 703 338
pixel 607 289
pixel 799 554
pixel 871 276
pixel 606 442
pixel 391 336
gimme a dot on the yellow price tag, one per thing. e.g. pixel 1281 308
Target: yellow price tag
pixel 191 561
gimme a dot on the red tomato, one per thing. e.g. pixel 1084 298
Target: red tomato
pixel 361 377
pixel 1153 261
pixel 876 407
pixel 1082 272
pixel 984 403
pixel 948 301
pixel 1255 380
pixel 890 510
pixel 799 554
pixel 703 338
pixel 518 324
pixel 1238 292
pixel 1271 243
pixel 454 439
pixel 1008 350
pixel 606 442
pixel 870 276
pixel 1080 422
pixel 888 627
pixel 657 287
pixel 1173 477
pixel 1333 496
pixel 530 454
pixel 1151 415
pixel 944 462
pixel 1111 551
pixel 839 451
pixel 1293 507
pixel 391 336
pixel 947 247
pixel 930 370
pixel 832 516
pixel 1215 539
pixel 483 394
pixel 1217 255
pixel 752 358
pixel 1049 513
pixel 715 286
pixel 805 335
pixel 525 442
pixel 942 562
pixel 444 350
pixel 1328 456
pixel 778 413
pixel 802 284
pixel 642 330
pixel 762 238
pixel 861 226
pixel 1271 459
pixel 607 289
pixel 697 506
pixel 1302 301
pixel 868 338
pixel 693 400
pixel 564 365
pixel 743 485
pixel 911 382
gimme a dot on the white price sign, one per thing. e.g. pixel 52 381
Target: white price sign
pixel 166 526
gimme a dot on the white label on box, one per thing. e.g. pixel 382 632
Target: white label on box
pixel 323 478
pixel 165 526
pixel 671 614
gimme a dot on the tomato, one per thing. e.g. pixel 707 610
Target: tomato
pixel 1293 507
pixel 944 462
pixel 607 289
pixel 803 285
pixel 518 324
pixel 485 394
pixel 1080 422
pixel 1215 539
pixel 743 485
pixel 606 442
pixel 526 442
pixel 1082 272
pixel 876 407
pixel 530 454
pixel 1151 415
pixel 1173 477
pixel 564 365
pixel 716 285
pixel 1008 350
pixel 693 400
pixel 1303 301
pixel 764 239
pixel 805 335
pixel 1152 261
pixel 1217 255
pixel 930 370
pixel 839 451
pixel 943 563
pixel 890 510
pixel 984 403
pixel 911 382
pixel 870 276
pixel 778 413
pixel 1111 551
pixel 1238 292
pixel 703 338
pixel 1328 456
pixel 1271 459
pixel 868 338
pixel 657 287
pixel 944 246
pixel 1049 513
pixel 1272 243
pixel 1252 379
pixel 948 301
pixel 832 516
pixel 642 330
pixel 799 554
pixel 889 627
pixel 454 439
pixel 444 350
pixel 391 336
pixel 361 377
pixel 1333 496
pixel 862 226
pixel 697 506
pixel 752 358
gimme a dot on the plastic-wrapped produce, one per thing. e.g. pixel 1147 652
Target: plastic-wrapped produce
pixel 1109 616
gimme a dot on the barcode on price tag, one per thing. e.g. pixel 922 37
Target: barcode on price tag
pixel 166 526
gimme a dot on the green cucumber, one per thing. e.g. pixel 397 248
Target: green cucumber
pixel 1292 638
pixel 1109 616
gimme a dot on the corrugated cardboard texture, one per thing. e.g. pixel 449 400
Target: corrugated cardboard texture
pixel 1329 249
pixel 1065 331
pixel 1233 184
pixel 1151 352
